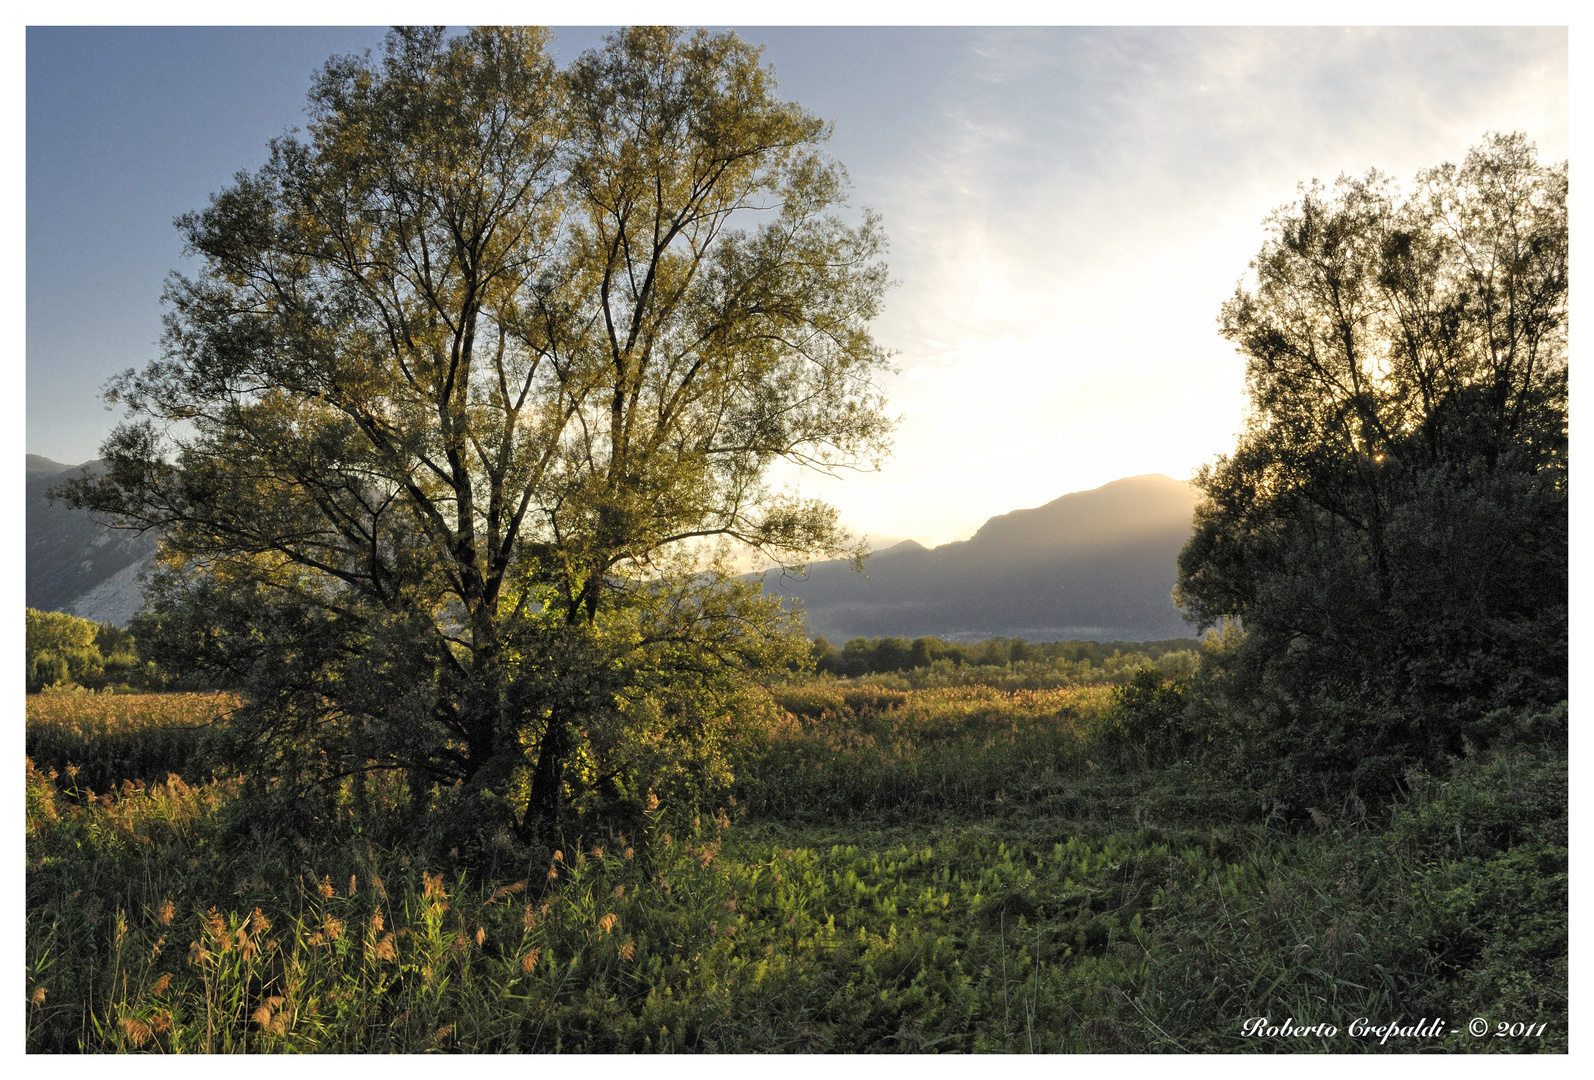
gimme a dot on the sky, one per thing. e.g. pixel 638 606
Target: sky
pixel 1067 209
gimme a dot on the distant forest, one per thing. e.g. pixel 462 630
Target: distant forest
pixel 883 655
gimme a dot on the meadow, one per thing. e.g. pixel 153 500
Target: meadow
pixel 954 868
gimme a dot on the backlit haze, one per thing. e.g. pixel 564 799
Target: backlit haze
pixel 1067 210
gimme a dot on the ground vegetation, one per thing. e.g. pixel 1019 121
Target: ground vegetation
pixel 918 871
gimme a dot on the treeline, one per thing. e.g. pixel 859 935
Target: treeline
pixel 1072 660
pixel 65 651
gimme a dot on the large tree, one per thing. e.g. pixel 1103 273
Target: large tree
pixel 470 375
pixel 1391 531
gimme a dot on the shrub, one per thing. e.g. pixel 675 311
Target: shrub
pixel 1149 718
pixel 57 631
pixel 47 669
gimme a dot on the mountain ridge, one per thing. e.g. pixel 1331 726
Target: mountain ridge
pixel 1097 564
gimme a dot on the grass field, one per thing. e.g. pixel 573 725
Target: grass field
pixel 954 869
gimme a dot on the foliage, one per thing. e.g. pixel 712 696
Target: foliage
pixel 468 377
pixel 1391 531
pixel 1124 910
pixel 868 752
pixel 1149 711
pixel 658 942
pixel 1491 852
pixel 1457 908
pixel 64 651
pixel 929 661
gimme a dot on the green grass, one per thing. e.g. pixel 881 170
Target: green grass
pixel 961 869
pixel 108 738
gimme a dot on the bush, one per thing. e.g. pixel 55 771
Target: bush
pixel 64 650
pixel 46 669
pixel 1149 717
pixel 56 631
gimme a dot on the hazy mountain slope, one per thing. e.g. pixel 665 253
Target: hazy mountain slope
pixel 1094 565
pixel 74 563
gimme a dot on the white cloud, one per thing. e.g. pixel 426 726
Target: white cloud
pixel 1089 199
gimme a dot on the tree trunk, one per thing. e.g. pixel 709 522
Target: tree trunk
pixel 545 807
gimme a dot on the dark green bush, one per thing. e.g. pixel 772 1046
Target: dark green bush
pixel 1148 714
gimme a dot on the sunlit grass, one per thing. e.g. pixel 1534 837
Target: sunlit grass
pixel 848 749
pixel 87 714
pixel 864 889
pixel 108 738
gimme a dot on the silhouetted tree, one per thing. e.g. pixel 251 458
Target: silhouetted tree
pixel 1391 531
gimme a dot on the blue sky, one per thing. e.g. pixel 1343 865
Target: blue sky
pixel 1067 209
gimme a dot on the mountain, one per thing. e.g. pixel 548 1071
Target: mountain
pixel 1093 565
pixel 74 563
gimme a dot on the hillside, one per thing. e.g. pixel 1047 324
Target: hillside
pixel 1090 565
pixel 1093 565
pixel 75 563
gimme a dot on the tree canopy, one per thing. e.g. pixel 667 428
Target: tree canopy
pixel 1391 531
pixel 471 373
